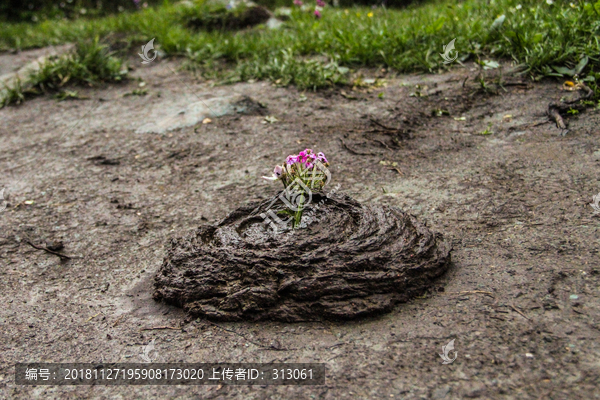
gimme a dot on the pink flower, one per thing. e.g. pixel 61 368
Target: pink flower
pixel 278 171
pixel 291 160
pixel 298 3
pixel 317 14
pixel 321 157
pixel 302 156
pixel 320 3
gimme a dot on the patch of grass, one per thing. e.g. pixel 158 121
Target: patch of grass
pixel 538 36
pixel 13 94
pixel 91 63
pixel 285 69
pixel 137 92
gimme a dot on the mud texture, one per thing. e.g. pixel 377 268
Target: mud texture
pixel 354 261
pixel 520 297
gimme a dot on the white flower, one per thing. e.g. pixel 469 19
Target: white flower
pixel 518 7
pixel 549 2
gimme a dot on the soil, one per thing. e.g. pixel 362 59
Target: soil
pixel 520 297
pixel 345 261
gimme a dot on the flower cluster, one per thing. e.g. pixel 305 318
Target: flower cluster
pixel 301 174
pixel 304 166
pixel 320 4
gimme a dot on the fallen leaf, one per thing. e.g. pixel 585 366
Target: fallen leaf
pixel 270 119
pixel 348 96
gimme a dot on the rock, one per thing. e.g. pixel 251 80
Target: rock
pixel 201 110
pixel 441 392
pixel 232 16
pixel 352 261
pixel 274 23
pixel 21 76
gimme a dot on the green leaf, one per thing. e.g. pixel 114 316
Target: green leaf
pixel 582 63
pixel 490 64
pixel 564 70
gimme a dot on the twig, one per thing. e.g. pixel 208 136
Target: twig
pixel 244 337
pixel 161 327
pixel 537 124
pixel 234 332
pixel 382 125
pixel 474 292
pixel 477 291
pixel 397 170
pixel 354 151
pixel 118 320
pixel 92 317
pixel 382 142
pixel 62 256
pixel 554 109
pixel 555 116
pixel 518 311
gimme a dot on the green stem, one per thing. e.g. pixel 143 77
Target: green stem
pixel 298 216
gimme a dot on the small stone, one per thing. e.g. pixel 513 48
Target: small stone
pixel 596 155
pixel 573 297
pixel 528 355
pixel 441 392
pixel 200 111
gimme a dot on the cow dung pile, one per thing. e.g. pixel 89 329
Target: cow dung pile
pixel 348 261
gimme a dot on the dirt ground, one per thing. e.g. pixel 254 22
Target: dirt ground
pixel 521 298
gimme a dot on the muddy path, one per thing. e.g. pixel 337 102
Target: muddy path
pixel 520 298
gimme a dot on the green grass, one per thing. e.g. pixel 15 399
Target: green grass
pixel 313 53
pixel 91 63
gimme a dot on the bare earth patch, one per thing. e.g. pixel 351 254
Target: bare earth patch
pixel 520 298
